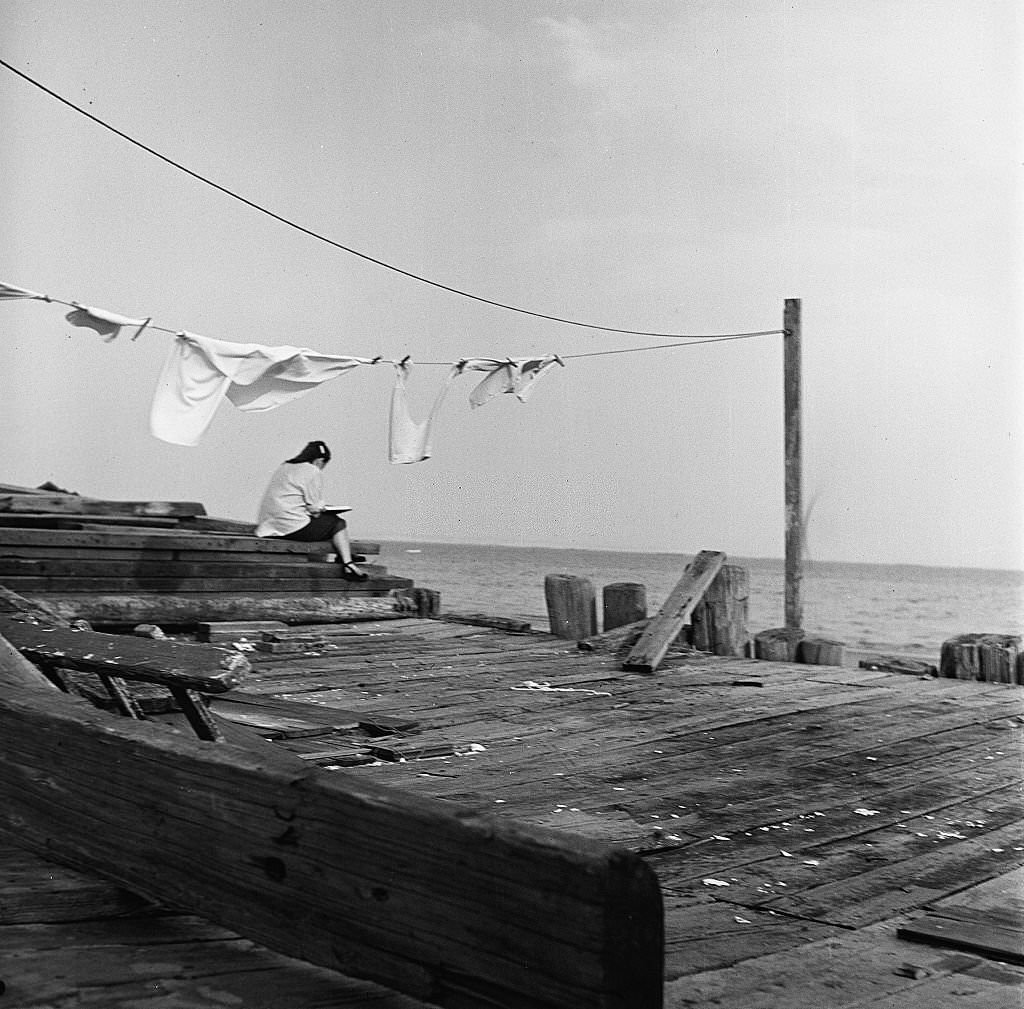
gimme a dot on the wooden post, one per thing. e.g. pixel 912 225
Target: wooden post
pixel 572 608
pixel 719 622
pixel 794 503
pixel 623 603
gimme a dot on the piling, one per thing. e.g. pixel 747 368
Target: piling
pixel 572 606
pixel 623 603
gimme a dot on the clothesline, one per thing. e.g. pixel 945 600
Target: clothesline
pixel 199 373
pixel 344 248
pixel 109 324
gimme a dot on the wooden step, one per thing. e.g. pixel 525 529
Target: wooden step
pixel 166 539
pixel 50 567
pixel 329 583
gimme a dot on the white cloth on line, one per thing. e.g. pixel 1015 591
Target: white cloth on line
pixel 105 323
pixel 409 440
pixel 294 495
pixel 513 375
pixel 201 372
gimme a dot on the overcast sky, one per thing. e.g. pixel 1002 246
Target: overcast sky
pixel 651 166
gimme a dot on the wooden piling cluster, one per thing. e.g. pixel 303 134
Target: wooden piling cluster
pixel 707 608
pixel 992 658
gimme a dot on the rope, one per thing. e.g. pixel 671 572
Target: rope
pixel 380 359
pixel 702 337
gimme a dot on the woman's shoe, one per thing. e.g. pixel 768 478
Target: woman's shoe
pixel 352 574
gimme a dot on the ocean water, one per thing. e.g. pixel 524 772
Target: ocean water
pixel 899 609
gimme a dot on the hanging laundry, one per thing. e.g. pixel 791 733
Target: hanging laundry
pixel 409 440
pixel 200 372
pixel 9 292
pixel 517 376
pixel 105 323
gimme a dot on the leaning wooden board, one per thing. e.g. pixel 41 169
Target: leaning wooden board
pixel 445 904
pixel 664 628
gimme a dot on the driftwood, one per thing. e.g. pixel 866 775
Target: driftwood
pixel 898 664
pixel 664 628
pixel 448 905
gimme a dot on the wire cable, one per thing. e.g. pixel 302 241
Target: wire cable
pixel 702 337
pixel 380 359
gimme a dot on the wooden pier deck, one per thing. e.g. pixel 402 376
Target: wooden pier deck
pixel 797 817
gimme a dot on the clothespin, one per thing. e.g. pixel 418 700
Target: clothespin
pixel 460 365
pixel 404 361
pixel 559 360
pixel 138 332
pixel 376 360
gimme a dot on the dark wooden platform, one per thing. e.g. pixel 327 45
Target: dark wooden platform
pixel 797 817
pixel 168 562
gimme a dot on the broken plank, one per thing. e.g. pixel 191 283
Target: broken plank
pixel 375 722
pixel 169 663
pixel 665 627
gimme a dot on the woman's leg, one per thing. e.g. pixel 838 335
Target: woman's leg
pixel 344 546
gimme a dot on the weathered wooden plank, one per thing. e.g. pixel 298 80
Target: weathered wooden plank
pixel 899 664
pixel 177 608
pixel 255 583
pixel 221 631
pixel 33 890
pixel 177 960
pixel 170 663
pixel 174 539
pixel 664 628
pixel 73 504
pixel 46 551
pixel 142 569
pixel 61 521
pixel 455 907
pixel 1000 899
pixel 985 938
pixel 242 706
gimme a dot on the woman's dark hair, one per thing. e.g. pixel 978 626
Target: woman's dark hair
pixel 313 450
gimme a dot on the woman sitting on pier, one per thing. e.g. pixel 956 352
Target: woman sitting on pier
pixel 293 507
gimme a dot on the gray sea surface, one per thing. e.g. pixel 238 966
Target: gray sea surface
pixel 899 609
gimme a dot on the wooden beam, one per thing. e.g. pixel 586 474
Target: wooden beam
pixel 72 504
pixel 165 539
pixel 446 904
pixel 664 628
pixel 277 604
pixel 793 465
